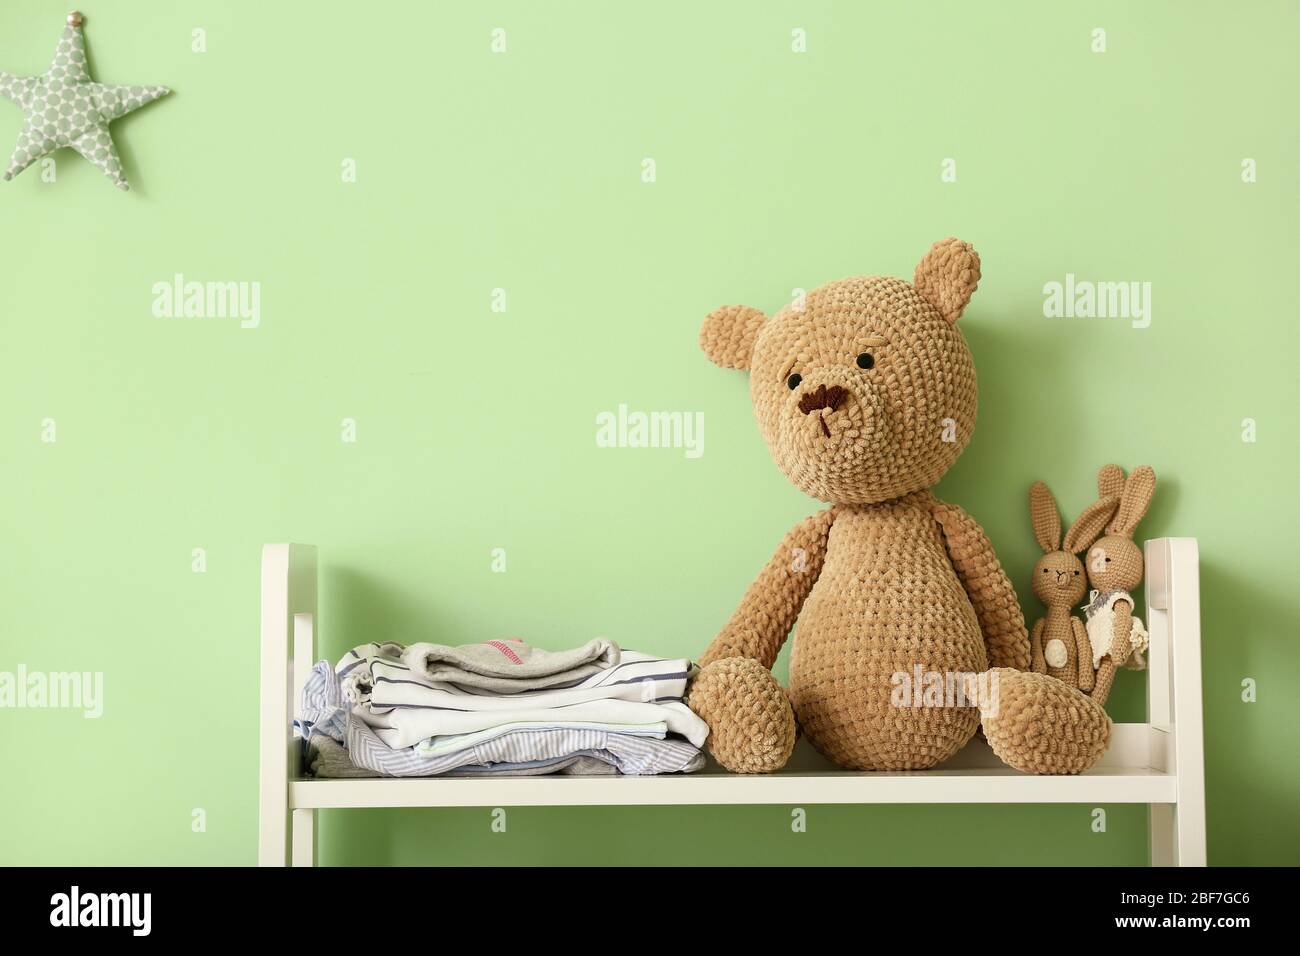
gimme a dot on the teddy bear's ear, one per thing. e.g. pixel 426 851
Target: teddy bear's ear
pixel 947 276
pixel 727 335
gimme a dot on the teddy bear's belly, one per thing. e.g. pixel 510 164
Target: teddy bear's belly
pixel 868 620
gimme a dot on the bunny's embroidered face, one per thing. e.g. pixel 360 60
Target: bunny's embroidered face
pixel 1115 560
pixel 1115 564
pixel 1059 580
pixel 865 390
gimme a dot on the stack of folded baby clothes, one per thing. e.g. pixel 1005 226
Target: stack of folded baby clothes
pixel 501 707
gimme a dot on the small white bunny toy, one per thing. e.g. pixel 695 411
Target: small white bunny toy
pixel 1115 568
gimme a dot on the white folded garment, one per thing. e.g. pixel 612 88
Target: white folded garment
pixel 406 726
pixel 637 677
pixel 404 708
pixel 511 665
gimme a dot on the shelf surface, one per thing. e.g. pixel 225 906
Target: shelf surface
pixel 975 775
pixel 969 785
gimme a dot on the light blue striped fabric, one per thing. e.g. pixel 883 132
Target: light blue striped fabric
pixel 583 764
pixel 629 753
pixel 322 706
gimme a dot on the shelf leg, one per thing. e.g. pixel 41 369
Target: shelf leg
pixel 1164 834
pixel 304 838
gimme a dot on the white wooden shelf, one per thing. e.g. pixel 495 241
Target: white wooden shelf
pixel 1147 763
pixel 995 785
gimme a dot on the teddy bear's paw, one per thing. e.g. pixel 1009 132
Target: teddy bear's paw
pixel 1038 724
pixel 751 723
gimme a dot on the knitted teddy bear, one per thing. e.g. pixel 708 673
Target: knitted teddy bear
pixel 865 395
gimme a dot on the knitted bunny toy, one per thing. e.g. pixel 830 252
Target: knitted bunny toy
pixel 1058 643
pixel 865 394
pixel 1114 569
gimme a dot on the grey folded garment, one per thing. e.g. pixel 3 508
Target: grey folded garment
pixel 326 757
pixel 510 666
pixel 329 759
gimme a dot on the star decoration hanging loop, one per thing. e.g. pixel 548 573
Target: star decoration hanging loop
pixel 64 107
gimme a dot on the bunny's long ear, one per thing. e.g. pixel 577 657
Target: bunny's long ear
pixel 1133 504
pixel 1045 517
pixel 728 335
pixel 1110 481
pixel 1088 527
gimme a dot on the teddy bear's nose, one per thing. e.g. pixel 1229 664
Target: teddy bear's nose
pixel 821 397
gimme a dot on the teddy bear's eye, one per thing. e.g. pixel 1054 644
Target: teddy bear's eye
pixel 866 360
pixel 794 380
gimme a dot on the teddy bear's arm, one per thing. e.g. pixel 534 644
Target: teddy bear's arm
pixel 762 621
pixel 990 592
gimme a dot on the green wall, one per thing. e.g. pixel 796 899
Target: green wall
pixel 475 429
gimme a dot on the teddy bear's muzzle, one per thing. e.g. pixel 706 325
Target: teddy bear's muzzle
pixel 822 399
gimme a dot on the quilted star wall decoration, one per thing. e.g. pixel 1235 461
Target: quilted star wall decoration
pixel 65 107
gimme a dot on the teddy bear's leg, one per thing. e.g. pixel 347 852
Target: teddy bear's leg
pixel 751 723
pixel 1038 724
